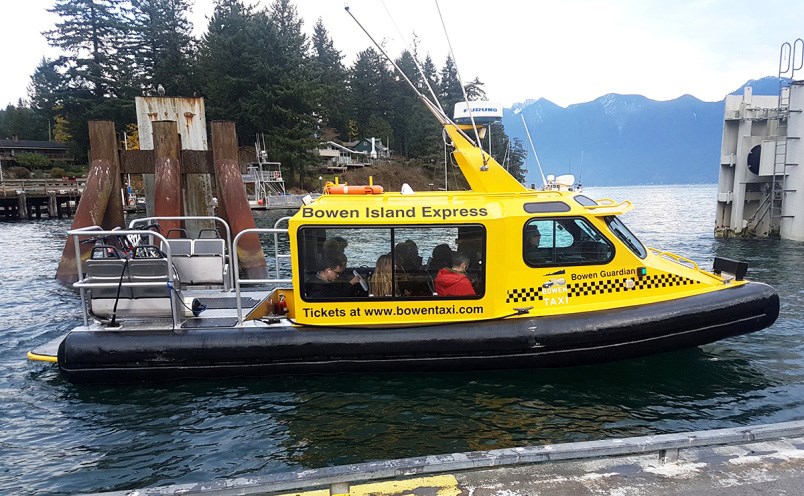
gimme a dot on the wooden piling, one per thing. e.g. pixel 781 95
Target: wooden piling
pixel 232 201
pixel 22 209
pixel 92 209
pixel 167 175
pixel 52 205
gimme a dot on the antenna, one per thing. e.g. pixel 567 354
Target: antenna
pixel 527 131
pixel 463 88
pixel 415 61
pixel 580 170
pixel 436 111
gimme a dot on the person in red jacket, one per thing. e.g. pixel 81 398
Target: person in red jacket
pixel 453 281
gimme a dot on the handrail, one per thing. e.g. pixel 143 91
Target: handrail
pixel 90 231
pixel 236 266
pixel 607 206
pixel 194 217
pixel 277 256
pixel 677 258
pixel 685 262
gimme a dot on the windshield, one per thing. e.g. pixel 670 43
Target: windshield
pixel 626 236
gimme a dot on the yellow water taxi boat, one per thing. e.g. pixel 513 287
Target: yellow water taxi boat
pixel 497 277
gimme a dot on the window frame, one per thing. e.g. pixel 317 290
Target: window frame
pixel 639 249
pixel 553 262
pixel 300 266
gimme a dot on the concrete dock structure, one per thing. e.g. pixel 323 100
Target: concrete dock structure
pixel 761 179
pixel 764 459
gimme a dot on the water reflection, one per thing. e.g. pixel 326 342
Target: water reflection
pixel 324 420
pixel 58 437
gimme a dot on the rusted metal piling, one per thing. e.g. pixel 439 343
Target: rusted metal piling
pixel 95 207
pixel 169 163
pixel 167 180
pixel 232 201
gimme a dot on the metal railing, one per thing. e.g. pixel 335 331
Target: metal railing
pixel 276 231
pixel 99 232
pixel 147 220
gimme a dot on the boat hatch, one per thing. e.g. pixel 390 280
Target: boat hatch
pixel 606 206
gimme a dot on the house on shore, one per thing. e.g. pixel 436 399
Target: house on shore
pixel 380 151
pixel 353 154
pixel 54 151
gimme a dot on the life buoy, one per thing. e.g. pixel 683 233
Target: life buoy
pixel 363 189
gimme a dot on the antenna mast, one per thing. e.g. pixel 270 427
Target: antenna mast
pixel 527 131
pixel 460 80
pixel 415 60
pixel 436 110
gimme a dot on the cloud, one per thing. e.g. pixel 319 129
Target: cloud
pixel 567 52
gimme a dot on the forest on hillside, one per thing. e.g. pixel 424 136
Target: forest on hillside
pixel 253 66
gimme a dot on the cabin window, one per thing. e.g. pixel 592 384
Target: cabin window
pixel 392 262
pixel 564 241
pixel 546 207
pixel 585 201
pixel 626 236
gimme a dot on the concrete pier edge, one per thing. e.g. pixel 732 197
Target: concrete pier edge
pixel 666 446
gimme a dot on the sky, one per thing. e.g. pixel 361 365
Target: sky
pixel 567 51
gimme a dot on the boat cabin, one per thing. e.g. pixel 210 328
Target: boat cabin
pixel 377 259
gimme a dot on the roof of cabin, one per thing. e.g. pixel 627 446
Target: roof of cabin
pixel 32 144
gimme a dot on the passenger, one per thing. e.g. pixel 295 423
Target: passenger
pixel 335 245
pixel 533 237
pixel 453 281
pixel 442 257
pixel 381 280
pixel 408 254
pixel 412 279
pixel 325 284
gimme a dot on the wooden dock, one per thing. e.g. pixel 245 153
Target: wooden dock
pixel 33 198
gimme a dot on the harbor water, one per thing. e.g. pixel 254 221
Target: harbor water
pixel 60 438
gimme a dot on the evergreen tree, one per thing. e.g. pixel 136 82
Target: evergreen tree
pixel 450 87
pixel 291 122
pixel 431 75
pixel 292 51
pixel 331 101
pixel 510 154
pixel 256 72
pixel 163 45
pixel 416 131
pixel 234 44
pixel 21 121
pixel 97 70
pixel 46 90
pixel 92 32
pixel 368 83
pixel 475 91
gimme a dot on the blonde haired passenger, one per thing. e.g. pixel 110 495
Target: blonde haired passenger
pixel 381 280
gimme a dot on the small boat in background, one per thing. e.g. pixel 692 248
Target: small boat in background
pixel 263 180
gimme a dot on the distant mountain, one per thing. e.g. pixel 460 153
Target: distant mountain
pixel 769 85
pixel 627 139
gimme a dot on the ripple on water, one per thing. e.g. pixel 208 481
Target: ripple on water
pixel 61 438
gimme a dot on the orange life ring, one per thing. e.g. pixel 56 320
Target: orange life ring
pixel 363 189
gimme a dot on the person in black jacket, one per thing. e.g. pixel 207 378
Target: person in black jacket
pixel 326 283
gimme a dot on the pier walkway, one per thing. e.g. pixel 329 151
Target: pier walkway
pixel 31 198
pixel 765 459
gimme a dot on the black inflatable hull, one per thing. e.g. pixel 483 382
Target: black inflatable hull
pixel 569 340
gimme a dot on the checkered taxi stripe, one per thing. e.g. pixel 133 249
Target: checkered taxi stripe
pixel 602 286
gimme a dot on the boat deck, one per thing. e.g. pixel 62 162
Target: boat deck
pixel 220 312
